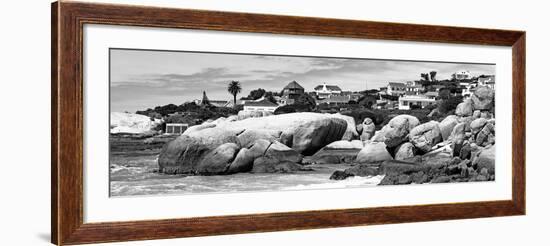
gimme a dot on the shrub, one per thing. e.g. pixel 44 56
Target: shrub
pixel 449 104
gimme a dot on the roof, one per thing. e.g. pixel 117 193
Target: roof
pixel 431 93
pixel 262 103
pixel 416 98
pixel 293 85
pixel 395 84
pixel 329 87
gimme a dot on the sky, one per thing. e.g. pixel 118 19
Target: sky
pixel 141 79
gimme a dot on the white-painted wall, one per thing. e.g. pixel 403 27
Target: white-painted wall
pixel 25 179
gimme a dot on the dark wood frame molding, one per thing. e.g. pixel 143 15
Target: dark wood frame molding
pixel 68 19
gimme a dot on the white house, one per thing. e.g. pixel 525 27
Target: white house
pixel 396 89
pixel 325 91
pixel 461 75
pixel 406 102
pixel 260 105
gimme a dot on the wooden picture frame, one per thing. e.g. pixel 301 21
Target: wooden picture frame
pixel 68 19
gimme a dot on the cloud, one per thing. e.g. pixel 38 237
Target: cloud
pixel 183 78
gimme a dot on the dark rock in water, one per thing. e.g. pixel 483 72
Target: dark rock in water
pixel 361 170
pixel 400 167
pixel 340 175
pixel 268 165
pixel 404 179
pixel 441 179
pixel 453 169
pixel 419 177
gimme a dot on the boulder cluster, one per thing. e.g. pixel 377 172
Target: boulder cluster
pixel 458 148
pixel 275 143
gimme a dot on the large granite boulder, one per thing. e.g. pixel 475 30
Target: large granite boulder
pixel 486 136
pixel 252 114
pixel 483 98
pixel 301 132
pixel 373 152
pixel 447 125
pixel 217 161
pixel 361 170
pixel 337 152
pixel 465 108
pixel 343 144
pixel 351 131
pixel 397 129
pixel 368 129
pixel 245 158
pixel 486 159
pixel 425 136
pixel 477 124
pixel 404 151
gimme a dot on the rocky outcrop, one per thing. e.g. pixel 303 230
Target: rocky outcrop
pixel 252 114
pixel 360 170
pixel 336 152
pixel 486 160
pixel 405 151
pixel 368 129
pixel 465 108
pixel 447 125
pixel 373 152
pixel 351 131
pixel 483 98
pixel 343 144
pixel 269 165
pixel 397 130
pixel 425 136
pixel 219 160
pixel 197 150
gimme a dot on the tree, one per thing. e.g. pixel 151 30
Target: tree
pixel 305 99
pixel 432 75
pixel 425 76
pixel 234 88
pixel 255 94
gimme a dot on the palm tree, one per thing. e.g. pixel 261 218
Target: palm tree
pixel 234 88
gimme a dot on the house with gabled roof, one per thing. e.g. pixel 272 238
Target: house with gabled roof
pixel 396 89
pixel 325 91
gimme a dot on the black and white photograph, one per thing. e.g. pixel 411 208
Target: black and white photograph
pixel 198 122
